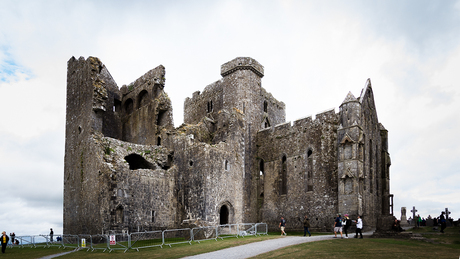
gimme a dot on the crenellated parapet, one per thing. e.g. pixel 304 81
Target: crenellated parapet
pixel 242 63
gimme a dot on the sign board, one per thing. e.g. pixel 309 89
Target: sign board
pixel 83 243
pixel 112 240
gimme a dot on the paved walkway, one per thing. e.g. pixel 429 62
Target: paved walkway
pixel 57 255
pixel 253 249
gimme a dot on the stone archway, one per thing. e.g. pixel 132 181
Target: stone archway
pixel 224 213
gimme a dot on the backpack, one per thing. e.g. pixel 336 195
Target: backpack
pixel 348 223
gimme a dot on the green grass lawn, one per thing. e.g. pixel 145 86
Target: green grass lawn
pixel 440 246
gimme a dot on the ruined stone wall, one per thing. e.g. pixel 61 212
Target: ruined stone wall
pixel 309 148
pixel 209 174
pixel 86 103
pixel 372 164
pixel 146 108
pixel 140 182
pixel 205 104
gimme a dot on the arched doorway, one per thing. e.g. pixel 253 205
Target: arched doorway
pixel 224 215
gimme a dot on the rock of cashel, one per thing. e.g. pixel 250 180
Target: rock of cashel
pixel 234 159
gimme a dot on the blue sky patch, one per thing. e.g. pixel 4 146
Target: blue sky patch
pixel 10 69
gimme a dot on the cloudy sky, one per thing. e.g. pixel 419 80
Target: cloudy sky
pixel 314 53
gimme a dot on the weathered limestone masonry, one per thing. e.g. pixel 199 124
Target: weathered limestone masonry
pixel 234 159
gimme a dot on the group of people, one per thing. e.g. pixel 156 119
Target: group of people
pixel 343 224
pixel 4 239
pixel 421 221
pixel 339 225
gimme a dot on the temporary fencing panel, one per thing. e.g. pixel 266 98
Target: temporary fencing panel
pixel 146 239
pixel 70 241
pixel 26 241
pixel 246 229
pixel 86 242
pixel 99 242
pixel 204 233
pixel 229 230
pixel 121 242
pixel 261 229
pixel 177 236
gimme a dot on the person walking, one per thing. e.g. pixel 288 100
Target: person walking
pixel 4 240
pixel 282 226
pixel 359 227
pixel 442 219
pixel 306 226
pixel 338 226
pixel 346 224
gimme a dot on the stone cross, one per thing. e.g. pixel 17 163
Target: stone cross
pixel 447 214
pixel 413 213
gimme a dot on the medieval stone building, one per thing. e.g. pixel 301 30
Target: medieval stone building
pixel 233 160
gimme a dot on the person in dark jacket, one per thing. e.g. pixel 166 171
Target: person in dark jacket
pixel 4 241
pixel 306 226
pixel 346 224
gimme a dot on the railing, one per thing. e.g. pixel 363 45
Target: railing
pixel 147 239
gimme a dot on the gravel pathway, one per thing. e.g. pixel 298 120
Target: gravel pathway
pixel 253 249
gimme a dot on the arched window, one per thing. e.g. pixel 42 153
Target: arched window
pixel 265 106
pixel 261 182
pixel 283 178
pixel 142 98
pixel 129 106
pixel 371 167
pixel 119 218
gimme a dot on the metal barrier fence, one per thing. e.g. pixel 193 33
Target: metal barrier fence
pixel 147 239
pixel 204 233
pixel 86 242
pixel 99 242
pixel 25 241
pixel 229 230
pixel 261 229
pixel 70 241
pixel 119 242
pixel 246 229
pixel 177 236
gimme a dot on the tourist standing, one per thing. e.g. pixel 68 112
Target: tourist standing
pixel 442 219
pixel 4 241
pixel 282 226
pixel 306 226
pixel 359 227
pixel 51 235
pixel 12 237
pixel 338 226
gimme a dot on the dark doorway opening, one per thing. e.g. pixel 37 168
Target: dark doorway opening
pixel 223 215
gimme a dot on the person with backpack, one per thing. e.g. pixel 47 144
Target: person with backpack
pixel 346 224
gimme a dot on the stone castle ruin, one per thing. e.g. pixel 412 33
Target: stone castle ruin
pixel 234 159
